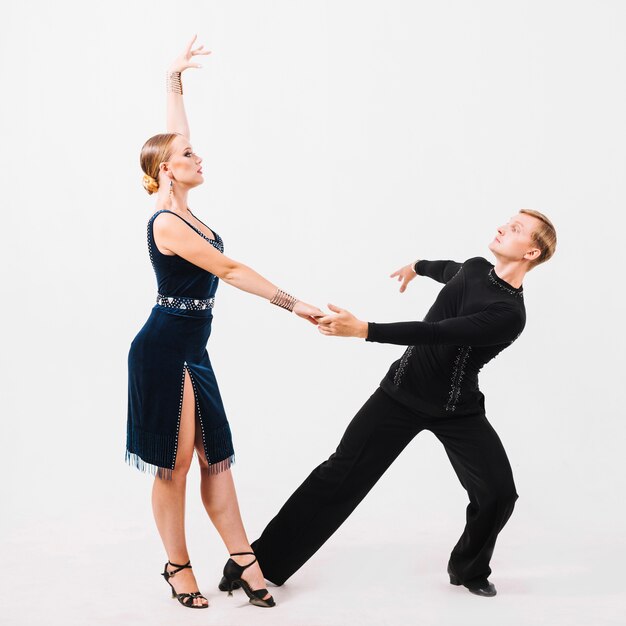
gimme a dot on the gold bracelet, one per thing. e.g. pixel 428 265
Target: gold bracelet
pixel 284 300
pixel 173 83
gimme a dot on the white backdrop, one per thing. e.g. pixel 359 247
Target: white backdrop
pixel 340 140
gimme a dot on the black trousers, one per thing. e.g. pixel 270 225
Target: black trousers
pixel 374 438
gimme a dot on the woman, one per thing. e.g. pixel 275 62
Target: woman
pixel 174 403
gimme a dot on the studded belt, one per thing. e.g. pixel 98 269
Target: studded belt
pixel 183 302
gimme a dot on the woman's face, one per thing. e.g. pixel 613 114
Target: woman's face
pixel 184 164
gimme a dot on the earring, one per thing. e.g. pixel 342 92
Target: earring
pixel 171 187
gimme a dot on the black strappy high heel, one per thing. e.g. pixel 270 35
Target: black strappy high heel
pixel 186 599
pixel 232 580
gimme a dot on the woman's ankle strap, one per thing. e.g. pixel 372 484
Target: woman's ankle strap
pixel 187 564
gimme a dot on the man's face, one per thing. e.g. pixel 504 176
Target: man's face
pixel 513 240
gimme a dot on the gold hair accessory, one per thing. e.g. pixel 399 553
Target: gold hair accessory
pixel 149 183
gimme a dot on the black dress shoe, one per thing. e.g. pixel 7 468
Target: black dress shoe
pixel 479 587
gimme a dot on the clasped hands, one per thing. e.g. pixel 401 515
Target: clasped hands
pixel 342 324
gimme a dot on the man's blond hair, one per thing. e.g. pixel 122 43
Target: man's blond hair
pixel 544 237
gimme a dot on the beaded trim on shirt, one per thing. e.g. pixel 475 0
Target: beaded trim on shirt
pixel 397 378
pixel 456 273
pixel 457 377
pixel 182 302
pixel 513 292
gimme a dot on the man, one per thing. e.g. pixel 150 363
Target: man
pixel 434 386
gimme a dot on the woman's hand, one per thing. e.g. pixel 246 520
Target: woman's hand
pixel 183 61
pixel 307 311
pixel 406 274
pixel 344 324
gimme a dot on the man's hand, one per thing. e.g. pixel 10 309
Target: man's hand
pixel 343 324
pixel 406 274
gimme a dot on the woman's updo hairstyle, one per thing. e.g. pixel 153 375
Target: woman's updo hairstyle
pixel 156 150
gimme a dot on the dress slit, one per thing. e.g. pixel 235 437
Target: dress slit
pixel 215 467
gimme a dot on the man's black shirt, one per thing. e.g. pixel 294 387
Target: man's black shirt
pixel 475 316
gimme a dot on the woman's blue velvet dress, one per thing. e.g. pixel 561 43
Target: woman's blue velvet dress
pixel 173 339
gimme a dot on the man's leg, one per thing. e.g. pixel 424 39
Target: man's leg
pixel 374 438
pixel 483 468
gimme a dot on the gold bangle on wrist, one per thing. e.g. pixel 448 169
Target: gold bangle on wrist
pixel 283 300
pixel 173 83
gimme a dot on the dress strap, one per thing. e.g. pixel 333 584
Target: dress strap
pixel 197 230
pixel 160 211
pixel 201 222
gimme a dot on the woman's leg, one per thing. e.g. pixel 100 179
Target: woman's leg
pixel 168 498
pixel 220 501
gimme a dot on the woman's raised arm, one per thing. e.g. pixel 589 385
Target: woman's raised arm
pixel 175 107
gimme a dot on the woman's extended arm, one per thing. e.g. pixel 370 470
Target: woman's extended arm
pixel 178 237
pixel 175 106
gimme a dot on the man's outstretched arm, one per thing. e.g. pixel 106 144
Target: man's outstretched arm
pixel 497 323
